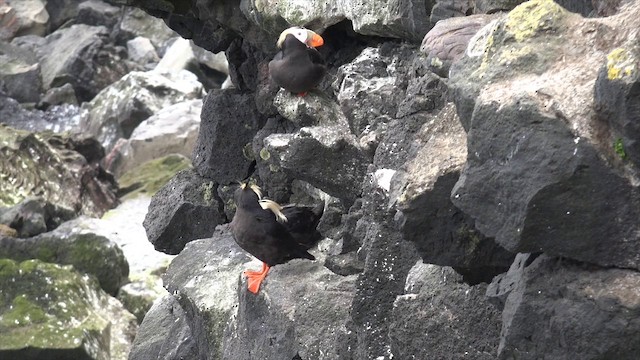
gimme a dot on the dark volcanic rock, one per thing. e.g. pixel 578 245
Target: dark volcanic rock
pixel 302 308
pixel 446 319
pixel 223 150
pixel 204 279
pixel 33 216
pixel 442 234
pixel 617 97
pixel 444 9
pixel 185 209
pixel 492 6
pixel 560 309
pixel 98 13
pixel 541 172
pixel 164 334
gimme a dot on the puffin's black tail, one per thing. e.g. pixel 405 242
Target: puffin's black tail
pixel 302 222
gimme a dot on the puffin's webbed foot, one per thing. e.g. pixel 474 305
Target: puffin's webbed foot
pixel 255 278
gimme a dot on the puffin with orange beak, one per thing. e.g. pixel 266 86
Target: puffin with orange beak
pixel 298 67
pixel 272 233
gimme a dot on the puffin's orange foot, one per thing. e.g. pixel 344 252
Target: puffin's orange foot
pixel 303 94
pixel 255 278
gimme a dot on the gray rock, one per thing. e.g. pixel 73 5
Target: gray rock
pixel 582 7
pixel 98 13
pixel 325 157
pixel 142 51
pixel 185 209
pixel 544 313
pixel 20 73
pixel 223 150
pixel 68 56
pixel 138 296
pixel 52 312
pixel 217 61
pixel 135 22
pixel 446 319
pixel 204 279
pixel 448 40
pixel 9 24
pixel 31 16
pixel 33 216
pixel 528 169
pixel 172 130
pixel 68 245
pixel 117 110
pixel 60 169
pixel 299 304
pixel 164 334
pixel 421 191
pixel 444 9
pixel 504 283
pixel 60 12
pixel 64 94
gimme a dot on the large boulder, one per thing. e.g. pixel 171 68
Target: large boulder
pixel 533 151
pixel 34 215
pixel 117 110
pixel 204 280
pixel 49 311
pixel 68 245
pixel 544 312
pixel 173 130
pixel 223 150
pixel 31 16
pixel 62 170
pixel 20 73
pixel 441 317
pixel 164 333
pixel 185 209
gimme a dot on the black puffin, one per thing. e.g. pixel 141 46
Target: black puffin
pixel 298 67
pixel 272 233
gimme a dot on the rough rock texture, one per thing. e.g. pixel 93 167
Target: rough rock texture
pixel 229 121
pixel 172 130
pixel 164 333
pixel 97 13
pixel 544 313
pixel 443 235
pixel 204 279
pixel 448 40
pixel 33 216
pixel 61 170
pixel 151 176
pixel 298 305
pixel 87 252
pixel 31 16
pixel 616 101
pixel 69 57
pixel 533 152
pixel 19 73
pixel 185 209
pixel 440 317
pixel 117 110
pixel 49 311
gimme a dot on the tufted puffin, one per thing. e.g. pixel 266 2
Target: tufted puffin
pixel 298 67
pixel 272 233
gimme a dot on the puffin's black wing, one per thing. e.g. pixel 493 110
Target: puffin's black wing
pixel 302 222
pixel 315 57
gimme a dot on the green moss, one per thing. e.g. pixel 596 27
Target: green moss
pixel 532 17
pixel 247 152
pixel 264 154
pixel 149 177
pixel 620 64
pixel 618 147
pixel 22 312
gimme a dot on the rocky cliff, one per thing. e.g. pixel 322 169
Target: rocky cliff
pixel 481 186
pixel 482 189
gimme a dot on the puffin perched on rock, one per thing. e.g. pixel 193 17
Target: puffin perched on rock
pixel 272 233
pixel 298 67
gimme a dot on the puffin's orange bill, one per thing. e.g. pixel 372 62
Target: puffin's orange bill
pixel 316 40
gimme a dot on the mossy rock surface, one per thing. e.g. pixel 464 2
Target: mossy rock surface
pixel 87 252
pixel 149 177
pixel 47 310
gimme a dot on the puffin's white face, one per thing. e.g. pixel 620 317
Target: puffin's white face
pixel 305 36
